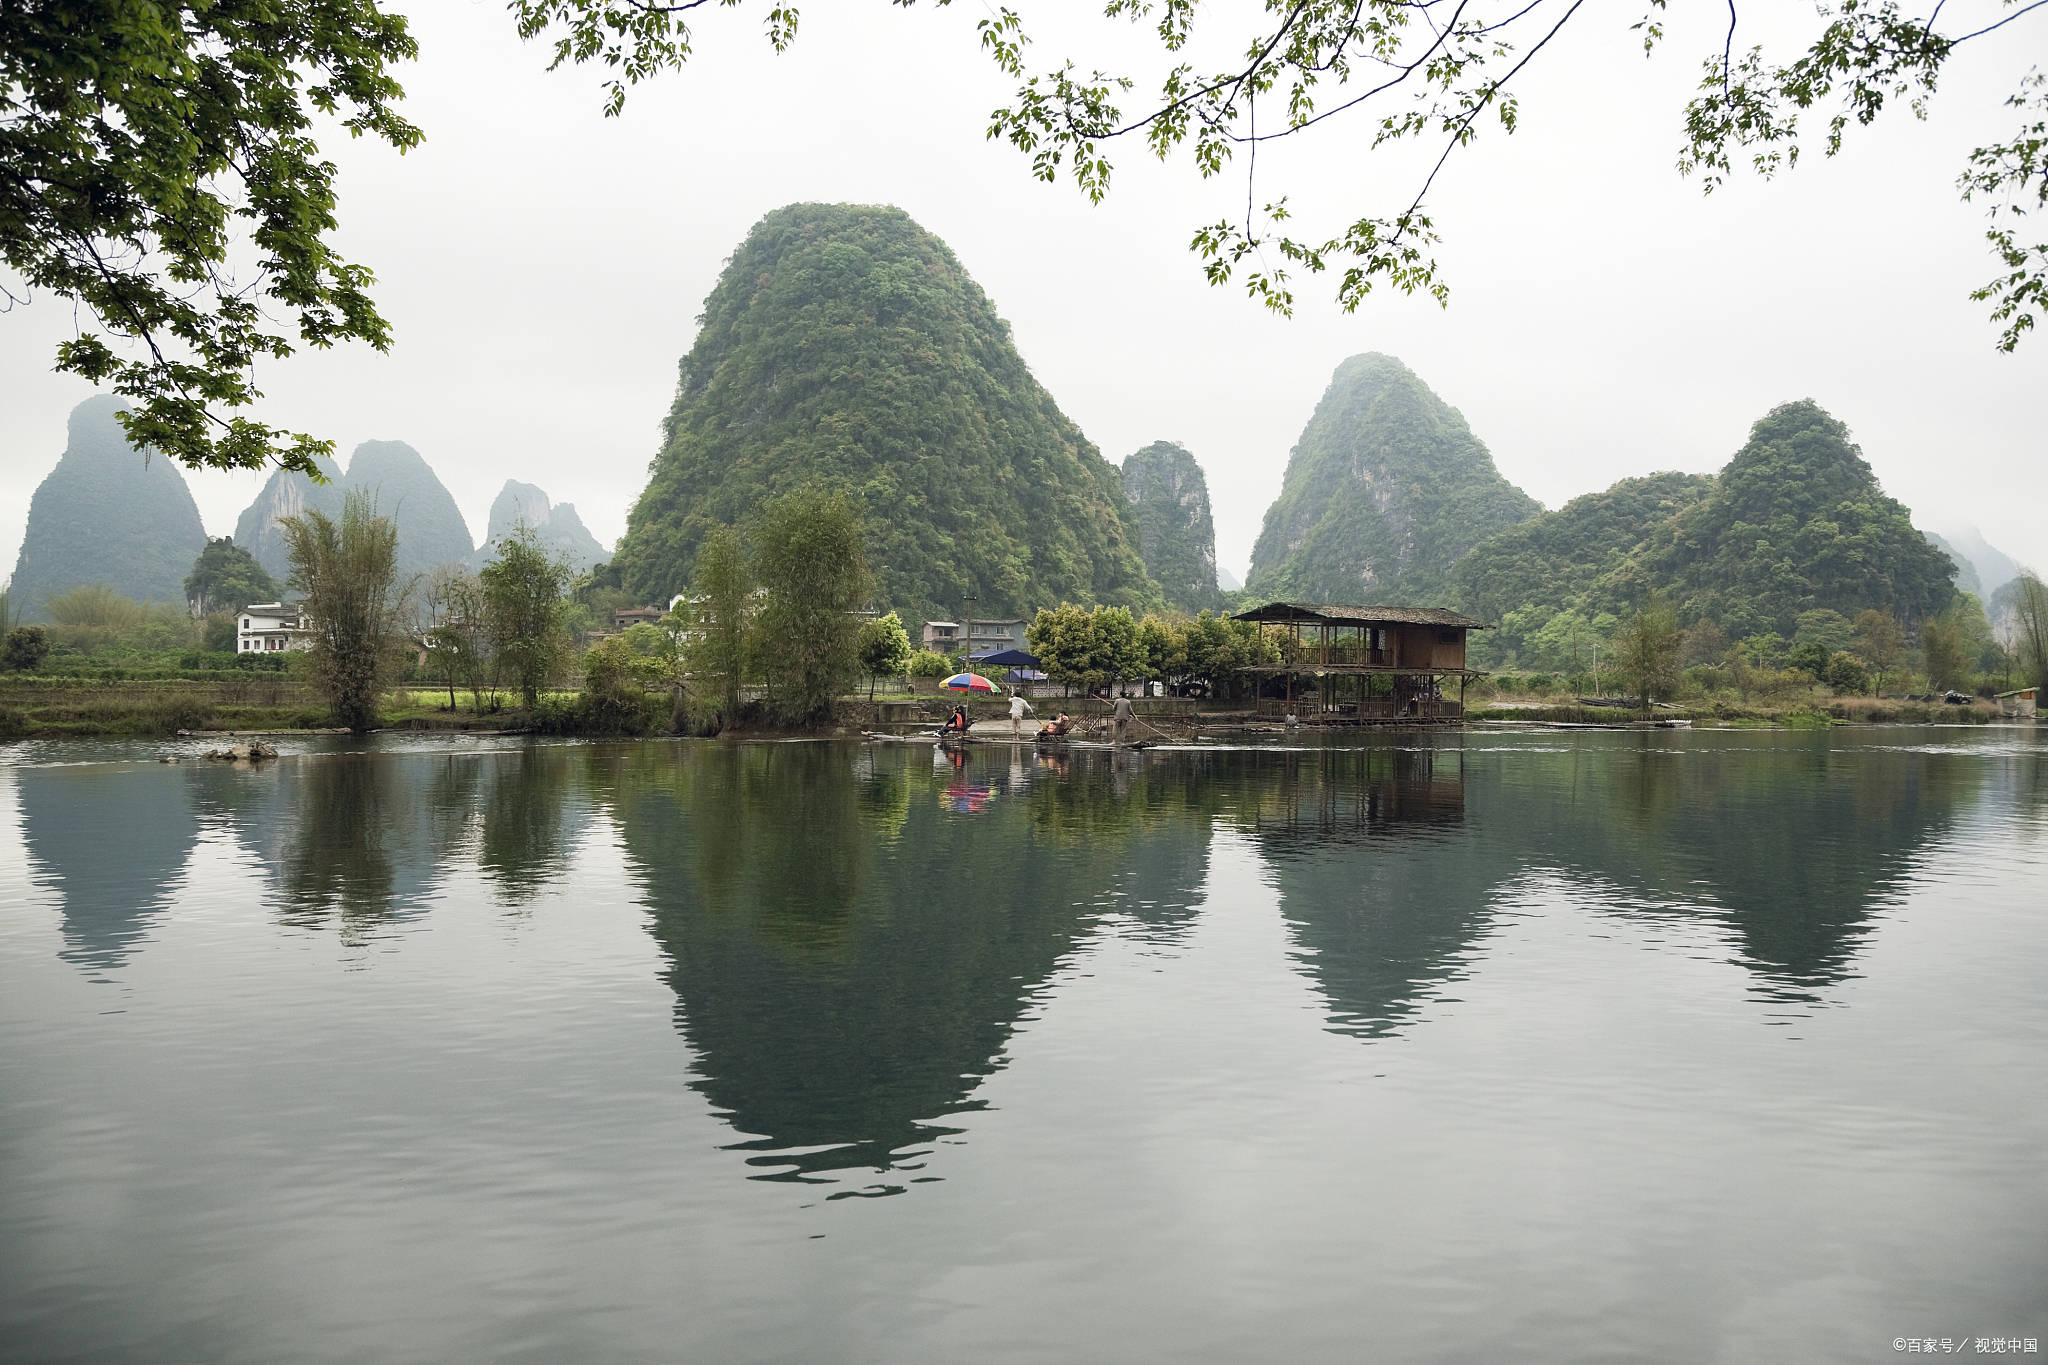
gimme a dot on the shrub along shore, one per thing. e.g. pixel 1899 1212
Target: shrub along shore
pixel 48 707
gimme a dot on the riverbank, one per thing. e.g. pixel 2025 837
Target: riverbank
pixel 34 707
pixel 40 708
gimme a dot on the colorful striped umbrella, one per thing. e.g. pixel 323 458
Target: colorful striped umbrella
pixel 969 682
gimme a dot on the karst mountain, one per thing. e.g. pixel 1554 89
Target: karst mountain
pixel 107 514
pixel 1169 498
pixel 845 343
pixel 555 525
pixel 1796 522
pixel 1386 489
pixel 403 486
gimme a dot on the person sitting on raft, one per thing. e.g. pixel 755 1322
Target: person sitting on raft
pixel 1055 728
pixel 957 723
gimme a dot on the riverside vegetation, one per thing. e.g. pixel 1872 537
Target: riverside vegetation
pixel 846 355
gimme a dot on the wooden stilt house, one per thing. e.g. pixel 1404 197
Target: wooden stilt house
pixel 1362 665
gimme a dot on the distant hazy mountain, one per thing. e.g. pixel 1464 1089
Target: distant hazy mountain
pixel 1386 489
pixel 1966 571
pixel 1227 580
pixel 107 514
pixel 557 526
pixel 844 342
pixel 431 530
pixel 1995 568
pixel 286 494
pixel 1169 500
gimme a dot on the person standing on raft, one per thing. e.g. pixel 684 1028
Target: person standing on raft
pixel 1018 708
pixel 1120 717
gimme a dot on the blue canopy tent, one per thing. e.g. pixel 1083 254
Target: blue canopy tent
pixel 1017 676
pixel 1004 658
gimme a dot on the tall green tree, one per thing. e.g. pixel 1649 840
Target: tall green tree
pixel 2030 631
pixel 884 647
pixel 525 612
pixel 724 606
pixel 1881 641
pixel 145 149
pixel 813 569
pixel 458 639
pixel 1647 650
pixel 1943 652
pixel 345 575
pixel 227 576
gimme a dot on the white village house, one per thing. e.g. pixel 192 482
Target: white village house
pixel 270 627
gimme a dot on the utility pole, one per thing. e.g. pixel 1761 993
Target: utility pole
pixel 966 634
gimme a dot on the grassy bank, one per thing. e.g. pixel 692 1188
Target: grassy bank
pixel 35 707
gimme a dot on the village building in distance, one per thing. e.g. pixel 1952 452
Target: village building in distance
pixel 983 635
pixel 270 628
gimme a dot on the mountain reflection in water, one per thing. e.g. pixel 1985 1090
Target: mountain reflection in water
pixel 854 934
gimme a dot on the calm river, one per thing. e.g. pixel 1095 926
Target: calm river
pixel 1712 1046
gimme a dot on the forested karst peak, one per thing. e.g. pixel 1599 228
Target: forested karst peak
pixel 1796 522
pixel 1385 490
pixel 1526 574
pixel 107 514
pixel 845 343
pixel 1794 528
pixel 1169 496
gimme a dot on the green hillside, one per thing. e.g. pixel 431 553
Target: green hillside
pixel 846 343
pixel 1386 489
pixel 1169 500
pixel 1796 523
pixel 107 514
pixel 1582 552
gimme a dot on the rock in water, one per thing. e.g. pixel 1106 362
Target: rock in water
pixel 844 342
pixel 431 531
pixel 558 527
pixel 107 514
pixel 1386 489
pixel 286 494
pixel 1169 500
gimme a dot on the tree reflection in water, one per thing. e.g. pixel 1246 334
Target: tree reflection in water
pixel 852 946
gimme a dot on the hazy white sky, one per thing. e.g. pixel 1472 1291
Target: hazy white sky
pixel 543 267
